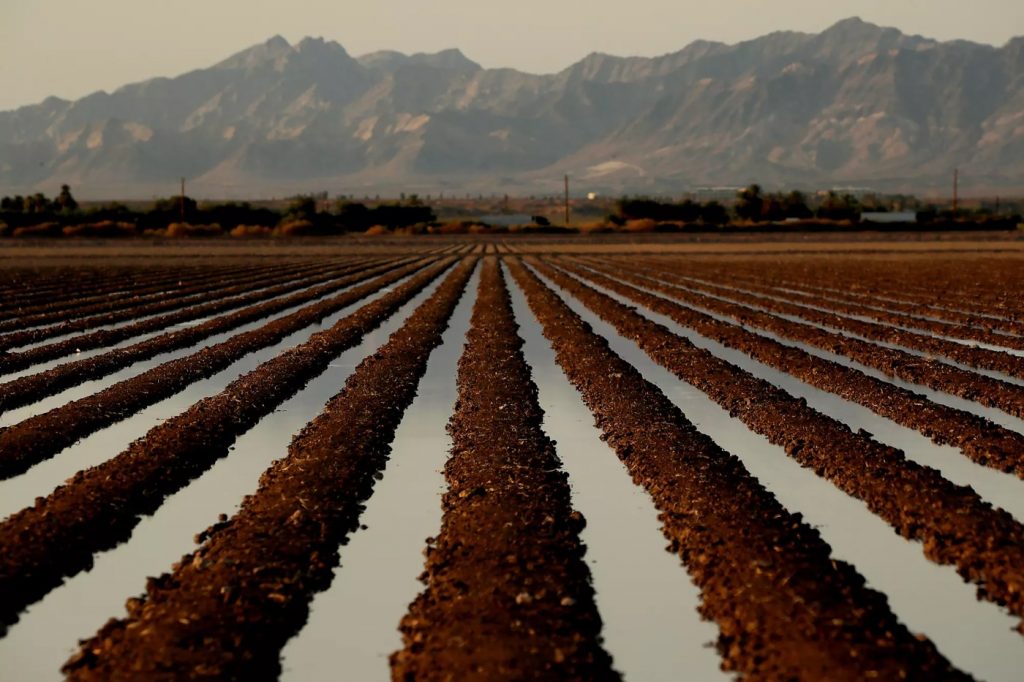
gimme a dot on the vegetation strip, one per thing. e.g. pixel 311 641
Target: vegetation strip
pixel 61 311
pixel 785 609
pixel 508 594
pixel 226 611
pixel 979 439
pixel 28 389
pixel 955 525
pixel 229 298
pixel 43 436
pixel 925 371
pixel 221 287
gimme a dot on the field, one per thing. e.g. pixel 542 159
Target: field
pixel 455 459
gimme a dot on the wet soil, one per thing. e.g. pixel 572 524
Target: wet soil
pixel 44 435
pixel 226 610
pixel 508 594
pixel 227 298
pixel 222 287
pixel 784 607
pixel 926 371
pixel 954 524
pixel 980 439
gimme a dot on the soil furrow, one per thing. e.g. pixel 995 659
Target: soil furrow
pixel 889 301
pixel 222 288
pixel 785 609
pixel 508 595
pixel 98 508
pixel 947 281
pixel 978 438
pixel 947 329
pixel 925 371
pixel 226 611
pixel 43 436
pixel 58 312
pixel 954 524
pixel 47 288
pixel 33 387
pixel 972 356
pixel 227 299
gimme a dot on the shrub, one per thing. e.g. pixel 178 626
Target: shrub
pixel 104 228
pixel 185 230
pixel 295 228
pixel 378 230
pixel 247 231
pixel 642 225
pixel 43 230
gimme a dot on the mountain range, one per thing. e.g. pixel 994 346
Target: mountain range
pixel 855 105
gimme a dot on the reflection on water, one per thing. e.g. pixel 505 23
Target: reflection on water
pixel 40 480
pixel 1000 489
pixel 48 631
pixel 647 602
pixel 353 625
pixel 976 636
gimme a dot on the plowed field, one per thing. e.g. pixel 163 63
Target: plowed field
pixel 510 460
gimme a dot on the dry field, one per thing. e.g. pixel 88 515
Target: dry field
pixel 513 459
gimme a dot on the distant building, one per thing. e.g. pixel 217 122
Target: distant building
pixel 715 193
pixel 855 192
pixel 889 217
pixel 506 219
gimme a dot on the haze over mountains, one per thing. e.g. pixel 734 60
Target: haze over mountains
pixel 855 105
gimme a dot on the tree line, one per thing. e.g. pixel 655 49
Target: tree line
pixel 302 215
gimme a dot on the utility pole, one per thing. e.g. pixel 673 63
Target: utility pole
pixel 956 190
pixel 567 200
pixel 182 200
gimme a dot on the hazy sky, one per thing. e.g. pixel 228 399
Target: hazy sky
pixel 70 48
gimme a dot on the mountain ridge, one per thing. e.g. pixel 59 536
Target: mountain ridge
pixel 855 104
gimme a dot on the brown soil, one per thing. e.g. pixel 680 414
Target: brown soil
pixel 954 524
pixel 785 609
pixel 508 595
pixel 968 355
pixel 915 369
pixel 900 301
pixel 981 284
pixel 43 436
pixel 980 439
pixel 32 387
pixel 947 329
pixel 123 296
pixel 194 309
pixel 227 609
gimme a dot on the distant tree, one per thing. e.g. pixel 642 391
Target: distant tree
pixel 839 207
pixel 171 208
pixel 750 205
pixel 352 216
pixel 714 213
pixel 65 202
pixel 301 208
pixel 795 205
